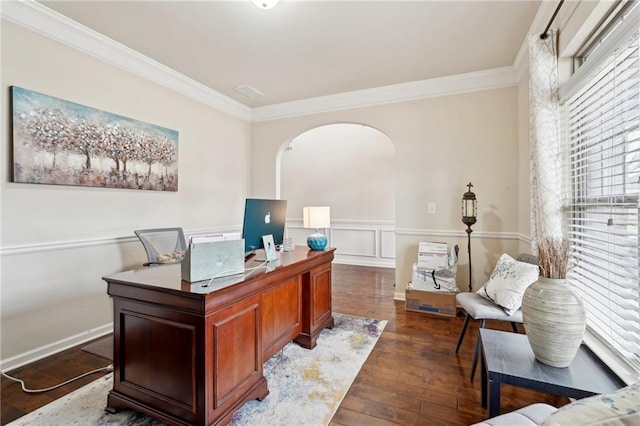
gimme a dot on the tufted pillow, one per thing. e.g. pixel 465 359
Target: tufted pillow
pixel 619 408
pixel 507 283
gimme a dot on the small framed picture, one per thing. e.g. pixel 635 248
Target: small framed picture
pixel 269 248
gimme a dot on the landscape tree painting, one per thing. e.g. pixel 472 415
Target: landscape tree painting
pixel 64 143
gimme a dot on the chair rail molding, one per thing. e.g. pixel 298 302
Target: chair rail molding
pixel 25 249
pixel 399 294
pixel 458 234
pixel 358 242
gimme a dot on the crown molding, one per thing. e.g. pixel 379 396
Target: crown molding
pixel 42 20
pixel 444 86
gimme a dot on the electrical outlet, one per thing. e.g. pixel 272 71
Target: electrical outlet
pixel 431 208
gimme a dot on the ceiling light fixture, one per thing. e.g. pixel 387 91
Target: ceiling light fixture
pixel 265 4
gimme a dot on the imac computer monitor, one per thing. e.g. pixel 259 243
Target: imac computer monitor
pixel 263 217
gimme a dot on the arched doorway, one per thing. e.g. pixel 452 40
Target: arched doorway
pixel 351 168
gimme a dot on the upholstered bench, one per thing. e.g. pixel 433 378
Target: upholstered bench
pixel 619 408
pixel 531 415
pixel 518 274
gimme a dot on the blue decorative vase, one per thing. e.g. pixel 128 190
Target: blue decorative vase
pixel 317 241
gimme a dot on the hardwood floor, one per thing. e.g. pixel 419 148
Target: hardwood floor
pixel 412 377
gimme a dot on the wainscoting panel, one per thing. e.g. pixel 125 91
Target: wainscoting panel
pixel 30 293
pixel 355 242
pixel 388 243
pixel 299 234
pixel 363 243
pixel 58 286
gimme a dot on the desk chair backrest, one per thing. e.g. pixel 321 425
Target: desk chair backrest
pixel 163 245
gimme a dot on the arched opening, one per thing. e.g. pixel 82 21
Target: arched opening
pixel 351 168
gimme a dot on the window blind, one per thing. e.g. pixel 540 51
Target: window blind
pixel 601 193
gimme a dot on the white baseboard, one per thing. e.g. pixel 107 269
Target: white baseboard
pixel 373 262
pixel 399 296
pixel 53 348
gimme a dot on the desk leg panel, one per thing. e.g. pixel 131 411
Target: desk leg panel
pixel 281 315
pixel 156 361
pixel 316 305
pixel 234 358
pixel 185 368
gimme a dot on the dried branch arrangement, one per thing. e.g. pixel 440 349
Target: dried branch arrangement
pixel 553 257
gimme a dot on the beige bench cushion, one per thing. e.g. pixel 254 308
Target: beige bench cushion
pixel 619 408
pixel 531 415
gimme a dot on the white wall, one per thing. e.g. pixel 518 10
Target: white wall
pixel 58 241
pixel 440 145
pixel 350 168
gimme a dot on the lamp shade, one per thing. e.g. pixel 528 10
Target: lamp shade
pixel 469 207
pixel 316 217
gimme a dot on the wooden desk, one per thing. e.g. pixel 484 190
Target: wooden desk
pixel 192 355
pixel 508 358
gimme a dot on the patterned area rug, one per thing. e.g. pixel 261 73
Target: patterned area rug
pixel 305 386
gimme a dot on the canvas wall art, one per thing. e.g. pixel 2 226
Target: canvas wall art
pixel 63 143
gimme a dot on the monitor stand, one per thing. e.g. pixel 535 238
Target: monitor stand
pixel 261 256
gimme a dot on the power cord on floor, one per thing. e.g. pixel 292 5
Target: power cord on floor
pixel 108 369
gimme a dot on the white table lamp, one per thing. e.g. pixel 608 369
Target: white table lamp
pixel 316 218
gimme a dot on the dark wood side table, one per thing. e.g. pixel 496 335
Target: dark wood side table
pixel 508 358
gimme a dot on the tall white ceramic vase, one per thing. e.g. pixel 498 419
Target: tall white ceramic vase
pixel 554 318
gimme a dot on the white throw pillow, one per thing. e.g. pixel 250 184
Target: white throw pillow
pixel 507 283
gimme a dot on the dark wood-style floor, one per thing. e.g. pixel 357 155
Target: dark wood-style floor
pixel 412 377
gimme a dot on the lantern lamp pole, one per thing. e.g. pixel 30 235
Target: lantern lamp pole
pixel 469 217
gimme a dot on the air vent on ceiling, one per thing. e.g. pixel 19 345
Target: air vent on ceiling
pixel 249 91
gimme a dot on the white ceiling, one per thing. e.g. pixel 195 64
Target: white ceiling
pixel 306 49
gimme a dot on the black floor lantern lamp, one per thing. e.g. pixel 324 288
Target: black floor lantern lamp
pixel 469 217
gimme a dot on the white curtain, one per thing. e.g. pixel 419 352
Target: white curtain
pixel 544 139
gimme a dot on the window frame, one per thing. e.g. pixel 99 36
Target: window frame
pixel 619 29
